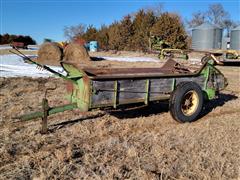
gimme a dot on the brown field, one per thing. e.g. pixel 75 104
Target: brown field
pixel 132 143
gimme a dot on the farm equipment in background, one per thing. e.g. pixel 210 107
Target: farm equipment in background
pixel 227 56
pixel 173 53
pixel 220 56
pixel 164 49
pixel 21 45
pixel 157 43
pixel 232 54
pixel 90 88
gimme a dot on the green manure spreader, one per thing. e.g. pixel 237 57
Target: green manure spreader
pixel 91 88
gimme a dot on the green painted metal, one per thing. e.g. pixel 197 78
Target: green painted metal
pixel 73 72
pixel 205 72
pixel 147 87
pixel 181 53
pixel 81 86
pixel 157 43
pixel 173 84
pixel 81 95
pixel 90 94
pixel 51 111
pixel 210 92
pixel 115 99
pixel 81 92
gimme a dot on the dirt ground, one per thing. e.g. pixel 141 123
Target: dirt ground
pixel 133 143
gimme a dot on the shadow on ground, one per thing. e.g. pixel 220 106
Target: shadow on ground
pixel 140 111
pixel 157 108
pixel 126 112
pixel 121 113
pixel 232 63
pixel 97 58
pixel 220 101
pixel 74 121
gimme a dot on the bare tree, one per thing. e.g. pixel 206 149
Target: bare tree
pixel 197 19
pixel 72 32
pixel 157 9
pixel 216 14
pixel 228 24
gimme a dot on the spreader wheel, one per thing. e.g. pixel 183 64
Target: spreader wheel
pixel 186 102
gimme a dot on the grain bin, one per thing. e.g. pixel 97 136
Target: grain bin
pixel 226 43
pixel 206 36
pixel 93 46
pixel 235 38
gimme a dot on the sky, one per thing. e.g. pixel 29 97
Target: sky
pixel 47 18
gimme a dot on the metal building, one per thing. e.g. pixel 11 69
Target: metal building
pixel 235 38
pixel 206 37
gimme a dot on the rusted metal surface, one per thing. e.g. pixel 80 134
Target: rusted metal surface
pixel 69 87
pixel 171 68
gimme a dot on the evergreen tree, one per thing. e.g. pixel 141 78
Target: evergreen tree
pixel 126 32
pixel 5 39
pixel 142 24
pixel 114 36
pixel 90 34
pixel 9 38
pixel 103 38
pixel 169 28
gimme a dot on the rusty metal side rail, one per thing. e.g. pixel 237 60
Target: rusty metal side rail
pixel 148 75
pixel 84 72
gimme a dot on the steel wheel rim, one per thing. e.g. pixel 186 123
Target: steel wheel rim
pixel 189 103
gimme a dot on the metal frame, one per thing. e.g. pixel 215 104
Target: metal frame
pixel 82 92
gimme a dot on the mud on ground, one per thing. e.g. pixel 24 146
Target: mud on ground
pixel 135 143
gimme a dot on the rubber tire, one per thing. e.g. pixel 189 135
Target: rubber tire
pixel 176 99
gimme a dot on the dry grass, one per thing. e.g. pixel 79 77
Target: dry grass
pixel 135 143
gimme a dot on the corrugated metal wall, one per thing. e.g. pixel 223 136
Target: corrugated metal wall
pixel 235 38
pixel 226 43
pixel 206 36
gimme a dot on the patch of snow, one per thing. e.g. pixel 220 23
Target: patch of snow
pixel 30 47
pixel 5 47
pixel 33 47
pixel 14 66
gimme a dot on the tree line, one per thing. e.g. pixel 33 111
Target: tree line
pixel 133 31
pixel 9 38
